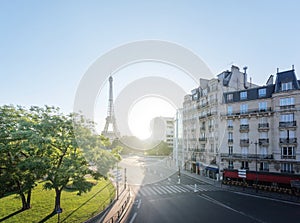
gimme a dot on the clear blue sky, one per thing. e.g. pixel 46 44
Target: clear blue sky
pixel 46 46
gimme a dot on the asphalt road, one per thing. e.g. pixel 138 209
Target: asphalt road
pixel 168 201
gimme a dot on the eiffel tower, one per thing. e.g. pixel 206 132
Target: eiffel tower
pixel 110 129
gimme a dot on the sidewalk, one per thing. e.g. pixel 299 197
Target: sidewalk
pixel 249 191
pixel 119 206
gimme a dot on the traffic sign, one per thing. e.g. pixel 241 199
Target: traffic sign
pixel 242 173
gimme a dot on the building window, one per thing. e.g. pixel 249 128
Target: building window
pixel 287 117
pixel 230 123
pixel 230 164
pixel 287 167
pixel 286 102
pixel 244 121
pixel 263 135
pixel 288 152
pixel 230 150
pixel 262 106
pixel 245 165
pixel 286 86
pixel 287 134
pixel 243 95
pixel 230 137
pixel 243 108
pixel 229 110
pixel 262 92
pixel 263 151
pixel 230 97
pixel 263 120
pixel 264 166
pixel 244 151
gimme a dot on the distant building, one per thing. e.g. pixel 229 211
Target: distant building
pixel 178 150
pixel 163 129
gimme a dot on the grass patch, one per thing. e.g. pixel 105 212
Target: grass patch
pixel 75 208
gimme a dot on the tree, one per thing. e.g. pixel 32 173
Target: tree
pixel 20 166
pixel 72 150
pixel 65 160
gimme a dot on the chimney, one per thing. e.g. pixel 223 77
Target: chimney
pixel 245 77
pixel 234 68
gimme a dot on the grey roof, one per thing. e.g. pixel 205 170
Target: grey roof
pixel 286 76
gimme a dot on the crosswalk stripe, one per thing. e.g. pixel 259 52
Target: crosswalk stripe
pixel 162 190
pixel 175 188
pixel 171 189
pixel 150 189
pixel 143 192
pixel 168 190
pixel 156 189
pixel 146 191
pixel 183 189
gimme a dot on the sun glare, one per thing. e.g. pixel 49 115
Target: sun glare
pixel 144 110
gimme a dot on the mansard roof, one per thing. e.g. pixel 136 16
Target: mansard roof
pixel 285 77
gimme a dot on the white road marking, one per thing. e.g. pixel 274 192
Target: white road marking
pixel 170 188
pixel 267 198
pixel 155 189
pixel 210 199
pixel 167 190
pixel 162 190
pixel 139 204
pixel 133 217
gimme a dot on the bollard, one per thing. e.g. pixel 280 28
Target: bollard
pixel 195 189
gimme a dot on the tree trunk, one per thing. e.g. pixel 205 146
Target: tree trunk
pixel 57 199
pixel 22 195
pixel 24 203
pixel 28 199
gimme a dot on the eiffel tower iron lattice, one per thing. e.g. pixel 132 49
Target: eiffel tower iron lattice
pixel 110 129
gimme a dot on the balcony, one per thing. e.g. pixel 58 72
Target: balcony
pixel 230 140
pixel 244 128
pixel 288 140
pixel 211 113
pixel 288 156
pixel 264 141
pixel 263 126
pixel 230 127
pixel 247 156
pixel 244 142
pixel 249 112
pixel 287 124
pixel 284 107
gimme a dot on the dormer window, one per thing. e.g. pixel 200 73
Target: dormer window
pixel 243 95
pixel 286 86
pixel 262 92
pixel 229 97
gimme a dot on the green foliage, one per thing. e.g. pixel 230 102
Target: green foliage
pixel 162 149
pixel 42 143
